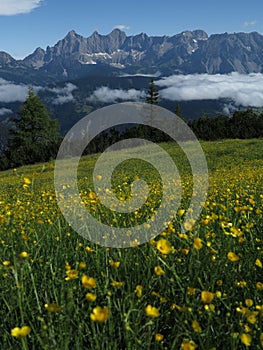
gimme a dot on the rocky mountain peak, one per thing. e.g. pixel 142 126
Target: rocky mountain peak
pixel 186 52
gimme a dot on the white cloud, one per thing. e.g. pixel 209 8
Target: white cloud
pixel 249 24
pixel 121 27
pixel 10 92
pixel 4 111
pixel 108 95
pixel 15 7
pixel 64 94
pixel 242 89
pixel 154 75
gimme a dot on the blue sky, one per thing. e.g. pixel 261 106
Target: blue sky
pixel 27 24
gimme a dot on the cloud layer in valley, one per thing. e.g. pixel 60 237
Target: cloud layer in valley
pixel 15 7
pixel 10 92
pixel 243 89
pixel 64 94
pixel 107 95
pixel 4 111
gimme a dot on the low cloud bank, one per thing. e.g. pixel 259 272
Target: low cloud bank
pixel 11 92
pixel 64 94
pixel 4 111
pixel 243 89
pixel 107 95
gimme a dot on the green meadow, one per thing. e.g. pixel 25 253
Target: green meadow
pixel 200 287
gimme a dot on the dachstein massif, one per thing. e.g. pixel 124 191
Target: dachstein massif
pixel 66 75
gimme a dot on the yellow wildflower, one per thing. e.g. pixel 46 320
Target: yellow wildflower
pixel 259 285
pixel 248 302
pixel 88 282
pixel 158 271
pixel 198 243
pixel 207 296
pixel 258 263
pixel 188 345
pixel 232 257
pixel 89 250
pixel 20 332
pixel 99 314
pixel 152 311
pixel 117 284
pixel 82 265
pixel 246 339
pixel 23 255
pixel 190 291
pixel 114 264
pixel 71 274
pixel 138 291
pixel 158 337
pixel 164 246
pixel 27 181
pixel 196 326
pixel 91 296
pixel 52 307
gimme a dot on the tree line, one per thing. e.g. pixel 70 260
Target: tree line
pixel 34 135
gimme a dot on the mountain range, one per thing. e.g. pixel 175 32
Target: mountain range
pixel 188 52
pixel 78 74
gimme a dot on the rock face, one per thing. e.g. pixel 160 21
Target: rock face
pixel 187 52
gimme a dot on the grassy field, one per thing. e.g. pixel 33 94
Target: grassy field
pixel 197 290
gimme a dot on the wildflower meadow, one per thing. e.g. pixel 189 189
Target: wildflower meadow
pixel 198 288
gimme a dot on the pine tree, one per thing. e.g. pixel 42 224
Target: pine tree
pixel 153 94
pixel 35 136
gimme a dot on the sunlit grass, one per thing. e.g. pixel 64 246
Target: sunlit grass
pixel 201 289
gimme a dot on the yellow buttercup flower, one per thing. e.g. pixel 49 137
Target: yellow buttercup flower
pixel 82 265
pixel 138 291
pixel 27 181
pixel 258 263
pixel 158 271
pixel 114 264
pixel 116 284
pixel 100 314
pixel 164 246
pixel 196 326
pixel 207 296
pixel 190 291
pixel 91 297
pixel 246 339
pixel 23 255
pixel 158 337
pixel 152 311
pixel 249 302
pixel 20 332
pixel 71 274
pixel 198 243
pixel 181 212
pixel 259 285
pixel 88 282
pixel 6 262
pixel 52 307
pixel 188 345
pixel 232 257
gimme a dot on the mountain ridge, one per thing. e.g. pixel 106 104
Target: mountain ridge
pixel 188 52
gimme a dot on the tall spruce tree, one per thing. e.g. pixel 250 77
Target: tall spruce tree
pixel 35 136
pixel 153 94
